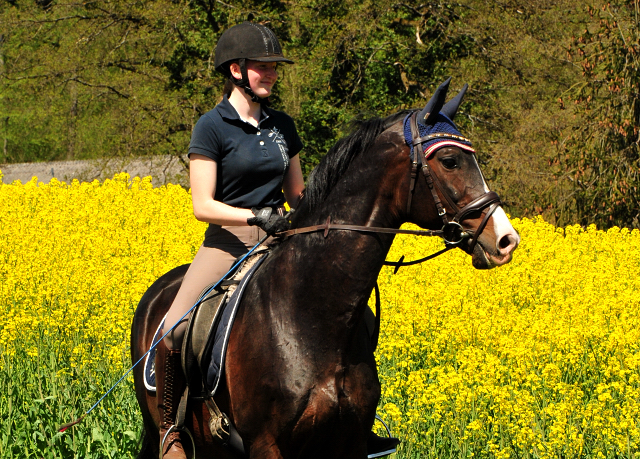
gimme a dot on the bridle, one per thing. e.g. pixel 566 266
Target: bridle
pixel 451 229
pixel 452 232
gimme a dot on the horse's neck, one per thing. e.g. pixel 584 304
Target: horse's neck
pixel 333 278
pixel 366 194
pixel 342 268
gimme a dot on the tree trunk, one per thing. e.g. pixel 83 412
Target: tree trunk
pixel 5 156
pixel 73 115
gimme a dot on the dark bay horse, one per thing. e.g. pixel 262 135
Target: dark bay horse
pixel 299 383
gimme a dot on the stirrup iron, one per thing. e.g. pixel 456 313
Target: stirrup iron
pixel 386 452
pixel 174 428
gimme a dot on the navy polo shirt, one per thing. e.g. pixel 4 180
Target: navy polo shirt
pixel 252 161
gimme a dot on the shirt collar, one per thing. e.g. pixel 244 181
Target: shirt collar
pixel 229 112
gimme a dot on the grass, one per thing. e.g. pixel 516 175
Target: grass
pixel 40 393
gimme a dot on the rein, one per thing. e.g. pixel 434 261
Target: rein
pixel 328 226
pixel 452 231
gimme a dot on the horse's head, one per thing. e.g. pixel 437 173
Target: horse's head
pixel 452 180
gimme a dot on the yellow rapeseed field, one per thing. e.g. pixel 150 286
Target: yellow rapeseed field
pixel 539 358
pixel 76 259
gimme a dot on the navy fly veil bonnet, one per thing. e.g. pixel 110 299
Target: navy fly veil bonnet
pixel 447 135
pixel 436 120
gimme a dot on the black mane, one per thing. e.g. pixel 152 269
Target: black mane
pixel 326 175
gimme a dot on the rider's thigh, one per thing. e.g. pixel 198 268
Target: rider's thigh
pixel 208 266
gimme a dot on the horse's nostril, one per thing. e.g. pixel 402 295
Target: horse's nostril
pixel 504 242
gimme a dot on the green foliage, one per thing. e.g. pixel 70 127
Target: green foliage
pixel 601 158
pixel 361 58
pixel 120 77
pixel 133 77
pixel 516 70
pixel 38 393
pixel 99 77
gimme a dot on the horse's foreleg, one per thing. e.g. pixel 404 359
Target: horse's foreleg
pixel 265 447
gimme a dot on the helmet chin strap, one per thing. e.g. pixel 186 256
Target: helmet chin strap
pixel 244 84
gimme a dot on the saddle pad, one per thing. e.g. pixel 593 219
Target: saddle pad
pixel 150 361
pixel 223 330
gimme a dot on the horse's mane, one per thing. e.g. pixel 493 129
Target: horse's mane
pixel 326 175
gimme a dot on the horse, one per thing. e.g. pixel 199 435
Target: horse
pixel 300 381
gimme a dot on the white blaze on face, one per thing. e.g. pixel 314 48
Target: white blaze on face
pixel 507 238
pixel 484 183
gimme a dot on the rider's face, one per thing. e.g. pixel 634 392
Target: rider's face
pixel 262 76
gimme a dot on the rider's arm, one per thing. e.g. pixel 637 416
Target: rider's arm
pixel 202 173
pixel 293 182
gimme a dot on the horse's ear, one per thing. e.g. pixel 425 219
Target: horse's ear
pixel 452 106
pixel 430 112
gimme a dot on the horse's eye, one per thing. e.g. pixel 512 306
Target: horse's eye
pixel 449 163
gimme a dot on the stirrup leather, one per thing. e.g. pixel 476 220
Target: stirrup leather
pixel 219 423
pixel 222 429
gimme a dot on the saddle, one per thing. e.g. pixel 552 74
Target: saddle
pixel 207 332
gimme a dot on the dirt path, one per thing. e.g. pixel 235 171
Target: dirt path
pixel 164 169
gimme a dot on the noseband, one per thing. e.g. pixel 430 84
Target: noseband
pixel 452 231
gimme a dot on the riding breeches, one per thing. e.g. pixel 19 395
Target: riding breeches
pixel 214 258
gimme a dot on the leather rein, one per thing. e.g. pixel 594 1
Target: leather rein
pixel 452 232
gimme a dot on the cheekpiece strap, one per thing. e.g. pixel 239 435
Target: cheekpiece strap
pixel 415 157
pixel 426 170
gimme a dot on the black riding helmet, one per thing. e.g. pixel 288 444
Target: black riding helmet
pixel 247 41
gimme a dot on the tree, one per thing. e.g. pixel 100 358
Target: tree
pixel 601 158
pixel 133 77
pixel 109 76
pixel 362 58
pixel 117 77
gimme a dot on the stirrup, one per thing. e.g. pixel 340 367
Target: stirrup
pixel 178 429
pixel 385 452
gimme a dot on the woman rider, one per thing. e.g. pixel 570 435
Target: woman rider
pixel 243 155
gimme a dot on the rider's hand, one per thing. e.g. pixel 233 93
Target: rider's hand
pixel 268 221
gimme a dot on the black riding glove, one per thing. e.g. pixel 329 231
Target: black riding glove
pixel 268 221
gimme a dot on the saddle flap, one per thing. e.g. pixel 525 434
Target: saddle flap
pixel 201 325
pixel 205 323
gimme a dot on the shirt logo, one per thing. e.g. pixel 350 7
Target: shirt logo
pixel 276 136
